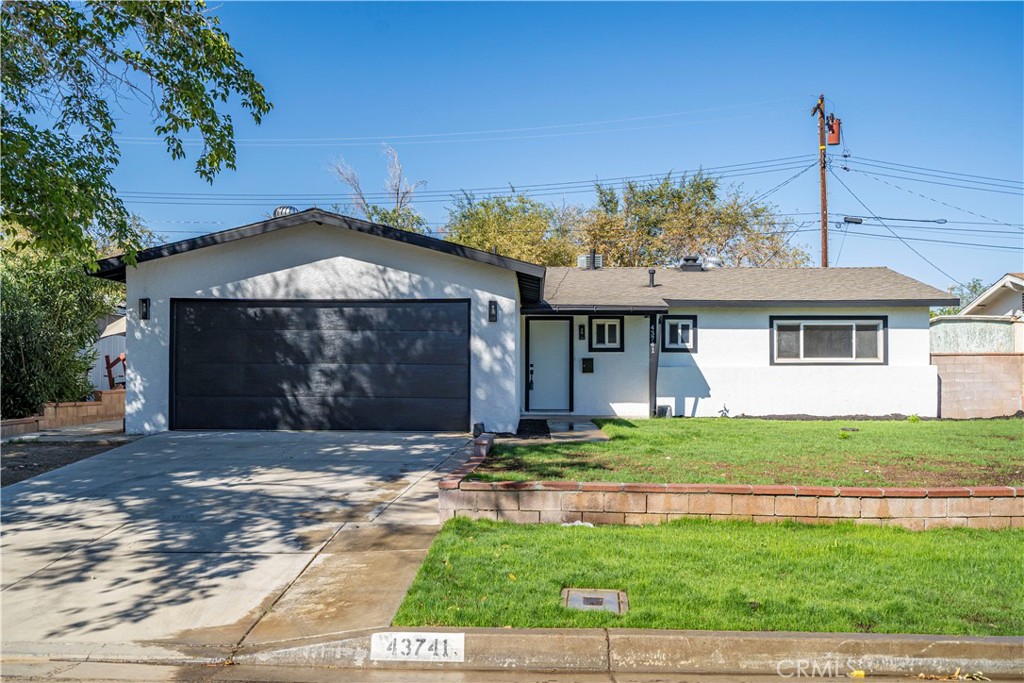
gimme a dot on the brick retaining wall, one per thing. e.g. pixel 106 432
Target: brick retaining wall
pixel 109 405
pixel 533 502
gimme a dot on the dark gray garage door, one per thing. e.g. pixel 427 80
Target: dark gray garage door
pixel 401 365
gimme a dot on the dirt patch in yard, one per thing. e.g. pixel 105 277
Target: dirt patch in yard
pixel 20 461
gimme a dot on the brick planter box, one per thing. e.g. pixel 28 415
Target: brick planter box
pixel 535 502
pixel 109 405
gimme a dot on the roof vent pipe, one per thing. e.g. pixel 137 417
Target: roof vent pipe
pixel 650 274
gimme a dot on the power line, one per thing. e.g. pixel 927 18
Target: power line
pixel 256 143
pixel 765 164
pixel 907 244
pixel 384 138
pixel 998 247
pixel 1006 185
pixel 937 201
pixel 1010 233
pixel 935 182
pixel 923 168
pixel 433 199
pixel 783 183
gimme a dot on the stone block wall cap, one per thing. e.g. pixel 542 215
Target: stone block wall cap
pixel 994 491
pixel 731 488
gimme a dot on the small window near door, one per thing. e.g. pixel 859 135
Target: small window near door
pixel 606 334
pixel 679 334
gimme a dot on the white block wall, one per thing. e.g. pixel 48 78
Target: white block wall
pixel 320 262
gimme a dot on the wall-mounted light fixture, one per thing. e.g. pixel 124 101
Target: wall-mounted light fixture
pixel 143 309
pixel 492 311
pixel 583 333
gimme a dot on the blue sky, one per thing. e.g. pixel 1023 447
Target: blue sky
pixel 584 91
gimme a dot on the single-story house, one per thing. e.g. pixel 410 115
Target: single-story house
pixel 319 321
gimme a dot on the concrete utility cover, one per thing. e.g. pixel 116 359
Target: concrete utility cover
pixel 595 599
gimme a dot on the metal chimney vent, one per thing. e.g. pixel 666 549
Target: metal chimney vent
pixel 691 263
pixel 284 211
pixel 590 261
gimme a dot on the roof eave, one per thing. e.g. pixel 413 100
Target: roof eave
pixel 544 308
pixel 530 275
pixel 815 303
pixel 1009 280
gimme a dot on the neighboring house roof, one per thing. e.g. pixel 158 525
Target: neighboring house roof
pixel 627 290
pixel 117 328
pixel 1011 281
pixel 531 276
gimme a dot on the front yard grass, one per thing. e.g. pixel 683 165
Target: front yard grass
pixel 697 574
pixel 751 451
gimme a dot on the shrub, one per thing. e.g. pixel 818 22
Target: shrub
pixel 49 309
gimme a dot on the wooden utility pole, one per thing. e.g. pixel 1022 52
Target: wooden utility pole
pixel 819 109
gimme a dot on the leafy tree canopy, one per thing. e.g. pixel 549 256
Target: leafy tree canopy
pixel 396 209
pixel 967 293
pixel 49 310
pixel 660 222
pixel 515 226
pixel 65 66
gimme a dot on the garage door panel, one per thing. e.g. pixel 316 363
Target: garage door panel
pixel 324 413
pixel 318 379
pixel 335 346
pixel 320 365
pixel 313 316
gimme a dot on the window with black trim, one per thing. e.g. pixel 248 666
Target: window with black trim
pixel 829 340
pixel 679 333
pixel 606 334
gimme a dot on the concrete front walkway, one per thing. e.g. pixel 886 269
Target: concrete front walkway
pixel 192 545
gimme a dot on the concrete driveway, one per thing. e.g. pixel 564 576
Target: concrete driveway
pixel 185 545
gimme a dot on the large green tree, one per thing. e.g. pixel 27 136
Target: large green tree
pixel 515 226
pixel 658 223
pixel 67 67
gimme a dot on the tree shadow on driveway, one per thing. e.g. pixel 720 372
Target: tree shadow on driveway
pixel 182 532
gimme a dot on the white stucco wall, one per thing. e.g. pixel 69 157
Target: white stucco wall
pixel 320 262
pixel 731 370
pixel 619 383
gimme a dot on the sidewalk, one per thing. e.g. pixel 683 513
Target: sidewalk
pixel 635 651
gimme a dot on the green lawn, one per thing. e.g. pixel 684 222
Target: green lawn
pixel 696 574
pixel 749 451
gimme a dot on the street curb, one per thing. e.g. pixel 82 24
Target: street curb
pixel 705 652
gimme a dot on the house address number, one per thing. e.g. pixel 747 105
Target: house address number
pixel 418 647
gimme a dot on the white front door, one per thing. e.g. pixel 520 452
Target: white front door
pixel 549 364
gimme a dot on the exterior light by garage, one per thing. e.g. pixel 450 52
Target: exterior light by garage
pixel 583 332
pixel 492 311
pixel 143 309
